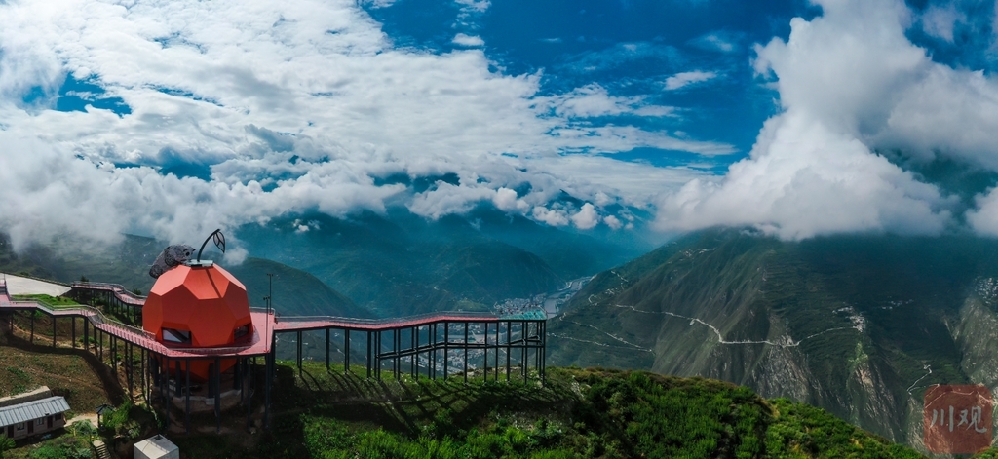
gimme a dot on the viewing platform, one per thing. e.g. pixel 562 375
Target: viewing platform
pixel 433 345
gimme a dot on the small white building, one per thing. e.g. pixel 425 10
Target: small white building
pixel 157 447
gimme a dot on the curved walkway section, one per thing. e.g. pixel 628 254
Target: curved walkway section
pixel 406 343
pixel 121 293
pixel 21 285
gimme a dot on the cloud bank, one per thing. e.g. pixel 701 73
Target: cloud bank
pixel 238 111
pixel 191 116
pixel 851 84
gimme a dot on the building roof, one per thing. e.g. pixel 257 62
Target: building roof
pixel 10 415
pixel 157 446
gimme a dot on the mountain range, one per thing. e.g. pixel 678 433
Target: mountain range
pixel 859 325
pixel 127 264
pixel 398 264
pixel 365 265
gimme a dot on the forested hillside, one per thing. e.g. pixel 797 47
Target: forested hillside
pixel 295 292
pixel 859 325
pixel 578 413
pixel 400 264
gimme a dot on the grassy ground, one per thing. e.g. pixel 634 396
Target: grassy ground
pixel 50 300
pixel 71 373
pixel 578 413
pixel 74 374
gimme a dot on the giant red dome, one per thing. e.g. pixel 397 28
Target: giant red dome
pixel 197 306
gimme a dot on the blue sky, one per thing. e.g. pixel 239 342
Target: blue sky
pixel 628 48
pixel 798 118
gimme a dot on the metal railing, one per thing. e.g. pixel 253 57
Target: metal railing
pixel 119 290
pixel 390 321
pixel 91 313
pixel 99 319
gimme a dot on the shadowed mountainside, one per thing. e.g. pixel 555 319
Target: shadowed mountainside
pixel 402 264
pixel 859 325
pixel 295 292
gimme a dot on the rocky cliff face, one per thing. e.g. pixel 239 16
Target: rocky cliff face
pixel 857 325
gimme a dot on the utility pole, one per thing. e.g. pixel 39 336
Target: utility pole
pixel 270 292
pixel 269 298
pixel 269 359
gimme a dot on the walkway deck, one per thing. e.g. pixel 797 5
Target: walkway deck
pixel 405 343
pixel 259 343
pixel 264 325
pixel 20 285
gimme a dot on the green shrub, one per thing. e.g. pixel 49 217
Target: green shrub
pixel 5 445
pixel 121 421
pixel 83 429
pixel 63 448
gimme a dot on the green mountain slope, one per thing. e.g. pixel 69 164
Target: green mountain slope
pixel 402 264
pixel 578 413
pixel 66 260
pixel 852 324
pixel 295 292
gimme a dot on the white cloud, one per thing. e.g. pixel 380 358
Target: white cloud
pixel 939 21
pixel 684 79
pixel 602 199
pixel 594 100
pixel 849 82
pixel 952 113
pixel 984 219
pixel 586 217
pixel 581 137
pixel 476 6
pixel 378 3
pixel 591 101
pixel 236 256
pixel 634 184
pixel 51 193
pixel 293 106
pixel 804 180
pixel 613 222
pixel 723 42
pixel 468 41
pixel 507 200
pixel 553 217
pixel 448 199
